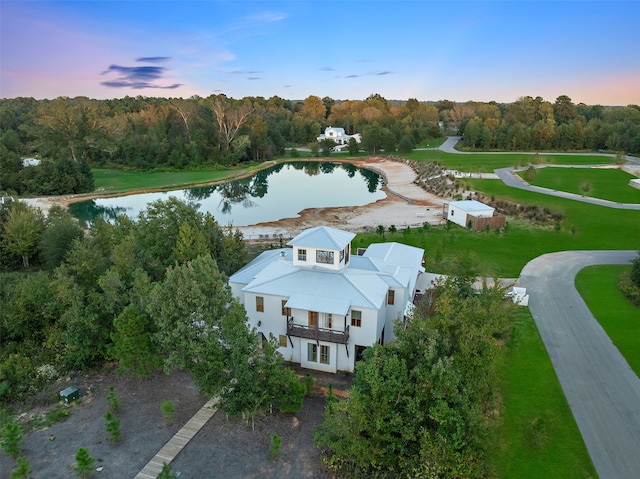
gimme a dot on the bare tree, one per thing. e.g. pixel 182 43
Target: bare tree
pixel 230 119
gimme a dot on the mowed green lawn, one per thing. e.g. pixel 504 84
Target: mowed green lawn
pixel 604 183
pixel 116 181
pixel 584 226
pixel 618 316
pixel 537 436
pixel 487 162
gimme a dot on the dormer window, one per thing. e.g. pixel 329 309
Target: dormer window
pixel 323 256
pixel 302 255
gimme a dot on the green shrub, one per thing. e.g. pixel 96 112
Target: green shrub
pixel 112 400
pixel 11 439
pixel 84 464
pixel 629 288
pixel 168 410
pixel 274 447
pixel 23 469
pixel 112 426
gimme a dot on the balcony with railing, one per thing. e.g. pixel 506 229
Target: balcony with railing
pixel 319 334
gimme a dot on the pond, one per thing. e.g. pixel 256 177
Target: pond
pixel 281 191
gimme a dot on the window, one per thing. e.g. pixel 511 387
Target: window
pixel 323 256
pixel 283 340
pixel 313 319
pixel 312 352
pixel 391 296
pixel 324 354
pixel 302 255
pixel 356 318
pixel 341 255
pixel 260 304
pixel 285 311
pixel 328 321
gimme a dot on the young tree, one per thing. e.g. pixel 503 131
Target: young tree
pixel 11 439
pixel 133 344
pixel 84 464
pixel 112 426
pixel 23 469
pixel 22 231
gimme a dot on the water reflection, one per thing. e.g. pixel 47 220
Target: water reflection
pixel 277 192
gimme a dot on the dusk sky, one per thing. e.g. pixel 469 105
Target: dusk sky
pixel 474 50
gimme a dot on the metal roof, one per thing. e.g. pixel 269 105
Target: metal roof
pixel 471 205
pixel 323 237
pixel 319 303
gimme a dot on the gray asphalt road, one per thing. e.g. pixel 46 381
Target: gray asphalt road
pixel 509 179
pixel 602 390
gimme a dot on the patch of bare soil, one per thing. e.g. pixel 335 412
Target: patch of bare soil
pixel 224 448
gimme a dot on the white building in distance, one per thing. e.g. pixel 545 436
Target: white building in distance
pixel 339 136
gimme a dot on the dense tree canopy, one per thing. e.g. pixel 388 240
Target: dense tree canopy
pixel 420 407
pixel 111 293
pixel 72 134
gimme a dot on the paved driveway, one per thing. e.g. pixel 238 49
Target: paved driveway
pixel 602 390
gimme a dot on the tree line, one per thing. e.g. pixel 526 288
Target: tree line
pixel 145 133
pixel 152 294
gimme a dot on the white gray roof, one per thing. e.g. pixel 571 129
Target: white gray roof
pixel 323 237
pixel 471 205
pixel 363 284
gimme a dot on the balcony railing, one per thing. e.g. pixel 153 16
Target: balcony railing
pixel 319 334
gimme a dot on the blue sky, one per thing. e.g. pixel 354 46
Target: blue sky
pixel 428 50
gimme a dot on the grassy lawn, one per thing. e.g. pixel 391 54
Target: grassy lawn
pixel 504 254
pixel 537 436
pixel 116 181
pixel 488 162
pixel 618 316
pixel 607 184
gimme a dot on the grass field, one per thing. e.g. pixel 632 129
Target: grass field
pixel 117 181
pixel 618 316
pixel 537 437
pixel 584 226
pixel 487 162
pixel 604 183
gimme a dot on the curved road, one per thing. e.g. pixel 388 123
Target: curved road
pixel 600 386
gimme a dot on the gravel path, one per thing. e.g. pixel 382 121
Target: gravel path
pixel 602 390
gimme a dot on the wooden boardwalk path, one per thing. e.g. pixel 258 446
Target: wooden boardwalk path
pixel 173 447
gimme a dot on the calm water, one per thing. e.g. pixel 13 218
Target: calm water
pixel 270 195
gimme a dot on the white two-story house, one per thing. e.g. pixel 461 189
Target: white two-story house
pixel 339 136
pixel 324 304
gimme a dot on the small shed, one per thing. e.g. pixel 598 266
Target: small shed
pixel 69 394
pixel 472 214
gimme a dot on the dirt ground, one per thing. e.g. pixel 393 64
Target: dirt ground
pixel 224 448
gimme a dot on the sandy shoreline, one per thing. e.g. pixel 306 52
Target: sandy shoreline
pixel 406 204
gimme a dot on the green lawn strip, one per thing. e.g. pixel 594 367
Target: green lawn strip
pixel 504 254
pixel 605 183
pixel 116 181
pixel 486 163
pixel 537 436
pixel 618 316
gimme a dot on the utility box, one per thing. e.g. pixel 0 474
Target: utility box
pixel 69 394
